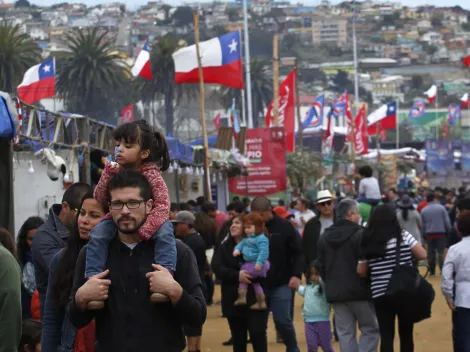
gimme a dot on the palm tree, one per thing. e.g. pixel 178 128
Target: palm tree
pixel 163 84
pixel 17 54
pixel 261 90
pixel 93 79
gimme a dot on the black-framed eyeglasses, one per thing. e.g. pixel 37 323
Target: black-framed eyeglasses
pixel 324 204
pixel 130 204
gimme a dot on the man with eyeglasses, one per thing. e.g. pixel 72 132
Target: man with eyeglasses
pixel 316 226
pixel 53 235
pixel 129 321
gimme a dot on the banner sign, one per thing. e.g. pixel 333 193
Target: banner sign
pixel 267 173
pixel 439 157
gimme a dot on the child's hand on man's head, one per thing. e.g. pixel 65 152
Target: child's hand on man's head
pixel 236 253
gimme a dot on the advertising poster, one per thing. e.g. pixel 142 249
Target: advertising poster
pixel 424 125
pixel 267 173
pixel 439 157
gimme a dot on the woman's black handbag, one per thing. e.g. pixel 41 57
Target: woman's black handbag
pixel 409 288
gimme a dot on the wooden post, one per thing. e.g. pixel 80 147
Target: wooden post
pixel 276 80
pixel 207 187
pixel 297 103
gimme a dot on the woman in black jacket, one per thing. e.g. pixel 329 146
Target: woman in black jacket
pixel 241 318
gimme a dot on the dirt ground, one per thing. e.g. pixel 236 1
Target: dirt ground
pixel 431 335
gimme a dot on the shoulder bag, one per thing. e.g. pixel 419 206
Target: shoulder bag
pixel 409 288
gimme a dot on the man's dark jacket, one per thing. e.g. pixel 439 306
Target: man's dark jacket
pixel 338 256
pixel 49 239
pixel 310 241
pixel 129 322
pixel 285 252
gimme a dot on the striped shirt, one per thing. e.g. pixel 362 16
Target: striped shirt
pixel 381 268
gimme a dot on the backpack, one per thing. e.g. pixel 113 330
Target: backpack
pixel 8 117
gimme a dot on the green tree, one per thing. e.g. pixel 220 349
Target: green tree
pixel 17 54
pixel 93 79
pixel 183 16
pixel 22 3
pixel 163 84
pixel 261 91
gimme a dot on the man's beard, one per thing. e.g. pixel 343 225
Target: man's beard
pixel 130 231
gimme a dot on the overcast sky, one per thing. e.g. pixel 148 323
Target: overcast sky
pixel 134 3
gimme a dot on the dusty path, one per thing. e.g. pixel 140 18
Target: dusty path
pixel 432 335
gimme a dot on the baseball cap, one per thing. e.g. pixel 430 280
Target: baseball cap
pixel 184 217
pixel 282 212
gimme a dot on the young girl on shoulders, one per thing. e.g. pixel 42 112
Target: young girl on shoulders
pixel 138 148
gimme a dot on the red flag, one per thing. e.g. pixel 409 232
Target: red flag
pixel 216 121
pixel 127 114
pixel 360 133
pixel 466 60
pixel 347 108
pixel 286 110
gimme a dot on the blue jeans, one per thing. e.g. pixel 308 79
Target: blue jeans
pixel 364 199
pixel 104 232
pixel 280 302
pixel 462 330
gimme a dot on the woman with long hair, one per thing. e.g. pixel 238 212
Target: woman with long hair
pixel 207 228
pixel 242 319
pixel 58 332
pixel 25 259
pixel 379 249
pixel 6 239
pixel 409 218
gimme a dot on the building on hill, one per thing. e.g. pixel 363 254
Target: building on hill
pixel 329 30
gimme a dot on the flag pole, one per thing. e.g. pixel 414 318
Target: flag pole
pixel 207 187
pixel 275 80
pixel 248 65
pixel 243 90
pixel 398 125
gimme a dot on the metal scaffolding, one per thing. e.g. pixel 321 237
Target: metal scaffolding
pixel 69 131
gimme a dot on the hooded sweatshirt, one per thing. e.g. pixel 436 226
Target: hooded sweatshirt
pixel 338 255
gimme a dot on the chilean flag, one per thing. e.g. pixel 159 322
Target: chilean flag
pixel 464 101
pixel 431 93
pixel 385 117
pixel 220 60
pixel 38 82
pixel 142 65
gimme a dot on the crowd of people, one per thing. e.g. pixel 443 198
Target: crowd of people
pixel 120 268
